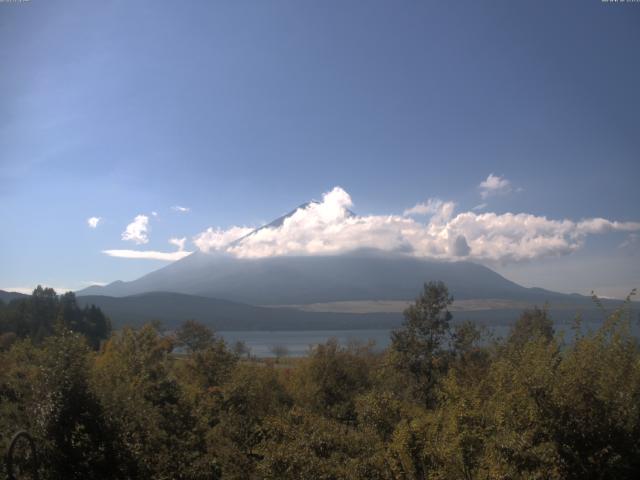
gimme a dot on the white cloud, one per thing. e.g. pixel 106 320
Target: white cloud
pixel 137 230
pixel 153 254
pixel 215 239
pixel 479 207
pixel 93 221
pixel 154 214
pixel 328 228
pixel 178 208
pixel 494 185
pixel 178 242
pixel 147 254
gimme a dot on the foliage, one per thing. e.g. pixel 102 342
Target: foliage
pixel 329 380
pixel 443 402
pixel 418 349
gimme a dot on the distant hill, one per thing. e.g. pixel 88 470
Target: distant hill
pixel 6 297
pixel 364 275
pixel 173 308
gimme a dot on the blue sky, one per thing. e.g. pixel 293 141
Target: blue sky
pixel 241 111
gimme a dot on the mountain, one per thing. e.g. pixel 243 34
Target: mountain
pixel 365 275
pixel 362 275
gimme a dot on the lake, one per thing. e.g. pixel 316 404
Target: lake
pixel 298 342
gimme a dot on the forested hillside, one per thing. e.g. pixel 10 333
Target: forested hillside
pixel 441 402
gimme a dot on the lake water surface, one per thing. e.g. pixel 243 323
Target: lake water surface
pixel 298 342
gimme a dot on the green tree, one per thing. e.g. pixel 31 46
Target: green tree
pixel 300 444
pixel 251 395
pixel 38 316
pixel 331 377
pixel 90 321
pixel 74 440
pixel 419 348
pixel 531 324
pixel 158 434
pixel 194 336
pixel 279 351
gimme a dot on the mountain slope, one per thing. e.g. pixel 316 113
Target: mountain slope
pixel 364 275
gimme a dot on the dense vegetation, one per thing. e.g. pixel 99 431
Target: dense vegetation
pixel 441 402
pixel 44 312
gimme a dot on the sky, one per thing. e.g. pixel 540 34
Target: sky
pixel 500 132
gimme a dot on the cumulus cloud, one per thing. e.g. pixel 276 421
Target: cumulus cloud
pixel 153 254
pixel 327 227
pixel 178 208
pixel 137 231
pixel 93 222
pixel 494 185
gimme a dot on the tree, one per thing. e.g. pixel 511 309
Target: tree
pixel 418 347
pixel 74 440
pixel 279 351
pixel 158 432
pixel 194 336
pixel 90 321
pixel 299 444
pixel 532 323
pixel 41 310
pixel 250 396
pixel 241 349
pixel 40 314
pixel 329 380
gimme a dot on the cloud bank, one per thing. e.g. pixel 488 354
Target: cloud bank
pixel 328 228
